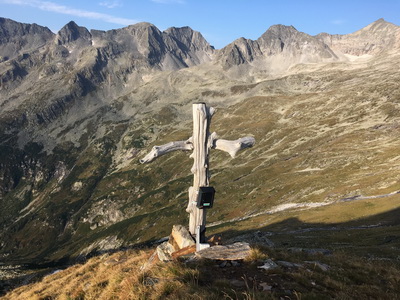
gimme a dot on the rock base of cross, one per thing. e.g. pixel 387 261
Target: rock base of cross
pixel 180 243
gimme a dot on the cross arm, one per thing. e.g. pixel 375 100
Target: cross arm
pixel 157 151
pixel 231 147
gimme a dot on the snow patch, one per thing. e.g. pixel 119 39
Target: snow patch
pixel 363 57
pixel 309 170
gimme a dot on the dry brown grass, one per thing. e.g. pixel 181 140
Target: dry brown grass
pixel 115 276
pixel 256 254
pixel 121 276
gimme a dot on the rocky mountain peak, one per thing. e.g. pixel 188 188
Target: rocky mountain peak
pixel 143 36
pixel 141 28
pixel 71 32
pixel 239 52
pixel 190 38
pixel 277 37
pixel 280 30
pixel 10 29
pixel 173 49
pixel 16 37
pixel 373 39
pixel 291 45
pixel 378 25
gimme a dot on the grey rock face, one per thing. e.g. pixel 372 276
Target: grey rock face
pixel 17 38
pixel 190 39
pixel 170 50
pixel 193 48
pixel 290 42
pixel 239 52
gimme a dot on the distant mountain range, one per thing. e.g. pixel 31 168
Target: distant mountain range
pixel 78 108
pixel 80 61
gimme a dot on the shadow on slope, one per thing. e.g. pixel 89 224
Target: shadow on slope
pixel 375 237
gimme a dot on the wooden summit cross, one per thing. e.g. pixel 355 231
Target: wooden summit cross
pixel 201 142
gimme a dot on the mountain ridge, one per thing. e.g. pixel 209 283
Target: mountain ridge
pixel 372 39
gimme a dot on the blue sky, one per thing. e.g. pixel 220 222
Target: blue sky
pixel 220 21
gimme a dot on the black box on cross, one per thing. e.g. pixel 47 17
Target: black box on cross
pixel 205 198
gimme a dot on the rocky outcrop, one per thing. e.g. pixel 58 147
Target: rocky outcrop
pixel 53 110
pixel 179 243
pixel 236 251
pixel 189 39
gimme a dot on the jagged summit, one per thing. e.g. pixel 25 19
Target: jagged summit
pixel 286 42
pixel 10 28
pixel 370 27
pixel 239 52
pixel 280 30
pixel 380 20
pixel 16 37
pixel 71 32
pixel 173 49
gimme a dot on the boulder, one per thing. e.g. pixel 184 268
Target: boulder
pixel 320 265
pixel 236 251
pixel 269 264
pixel 164 251
pixel 180 237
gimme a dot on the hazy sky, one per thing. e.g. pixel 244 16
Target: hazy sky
pixel 220 21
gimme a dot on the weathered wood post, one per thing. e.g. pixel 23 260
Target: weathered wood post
pixel 201 142
pixel 201 147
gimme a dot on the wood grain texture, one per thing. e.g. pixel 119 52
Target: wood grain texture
pixel 158 151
